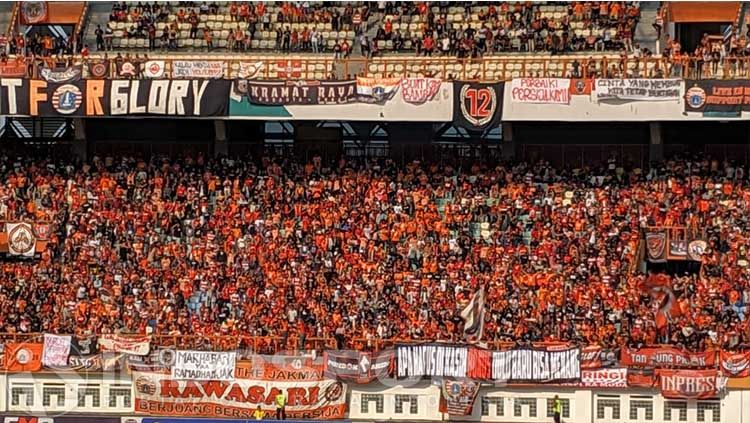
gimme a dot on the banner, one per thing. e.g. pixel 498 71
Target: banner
pixel 419 90
pixel 357 366
pixel 690 384
pixel 735 364
pixel 275 93
pixel 13 68
pixel 21 241
pixel 666 357
pixel 56 350
pixel 91 363
pixel 40 417
pixel 69 74
pixel 581 86
pixel 641 378
pixel 458 396
pixel 157 394
pixel 23 357
pixel 477 106
pixel 127 68
pixel 537 365
pixel 717 97
pixel 540 90
pixel 134 345
pixel 84 345
pixel 278 367
pixel 154 69
pixel 656 247
pixel 289 69
pixel 98 68
pixel 158 360
pixel 198 69
pixel 204 365
pixel 33 12
pixel 473 317
pixel 431 360
pixel 678 249
pixel 249 70
pixel 377 90
pixel 604 378
pixel 638 89
pixel 595 357
pixel 696 248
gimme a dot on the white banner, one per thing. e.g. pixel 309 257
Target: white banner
pixel 56 350
pixel 638 89
pixel 197 69
pixel 204 365
pixel 602 378
pixel 157 394
pixel 431 360
pixel 536 365
pixel 154 69
pixel 136 345
pixel 540 90
pixel 21 240
pixel 377 90
pixel 250 70
pixel 419 90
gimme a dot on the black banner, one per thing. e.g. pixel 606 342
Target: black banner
pixel 279 93
pixel 537 365
pixel 98 68
pixel 477 106
pixel 17 418
pixel 432 360
pixel 118 97
pixel 717 97
pixel 356 366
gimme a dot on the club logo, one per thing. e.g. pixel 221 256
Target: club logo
pixel 695 97
pixel 67 99
pixel 478 105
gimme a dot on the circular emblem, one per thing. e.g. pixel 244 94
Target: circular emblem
pixel 99 69
pixel 34 11
pixel 145 385
pixel 478 105
pixel 166 357
pixel 67 99
pixel 333 392
pixel 696 97
pixel 154 68
pixel 20 239
pixel 297 364
pixel 23 356
pixel 580 86
pixel 696 249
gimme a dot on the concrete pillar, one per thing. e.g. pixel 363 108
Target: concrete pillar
pixel 509 146
pixel 79 147
pixel 656 146
pixel 221 146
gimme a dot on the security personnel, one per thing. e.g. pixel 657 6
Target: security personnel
pixel 557 409
pixel 259 413
pixel 280 406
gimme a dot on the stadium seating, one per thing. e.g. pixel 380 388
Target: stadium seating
pixel 368 251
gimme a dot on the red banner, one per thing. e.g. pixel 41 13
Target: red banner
pixel 735 364
pixel 596 357
pixel 480 364
pixel 15 68
pixel 641 378
pixel 687 384
pixel 666 357
pixel 581 86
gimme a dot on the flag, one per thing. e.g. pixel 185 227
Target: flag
pixel 289 68
pixel 21 241
pixel 473 315
pixel 23 357
pixel 377 90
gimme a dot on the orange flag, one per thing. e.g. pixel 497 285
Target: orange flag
pixel 23 357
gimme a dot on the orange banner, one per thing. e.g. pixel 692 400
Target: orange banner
pixel 23 357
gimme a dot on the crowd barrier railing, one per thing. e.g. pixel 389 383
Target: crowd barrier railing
pixel 490 68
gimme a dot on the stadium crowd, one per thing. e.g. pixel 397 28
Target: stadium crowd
pixel 428 28
pixel 368 250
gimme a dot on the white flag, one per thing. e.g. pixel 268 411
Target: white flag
pixel 21 240
pixel 473 316
pixel 56 350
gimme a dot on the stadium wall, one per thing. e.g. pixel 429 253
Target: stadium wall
pixel 60 396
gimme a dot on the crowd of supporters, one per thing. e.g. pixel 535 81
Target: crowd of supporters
pixel 368 250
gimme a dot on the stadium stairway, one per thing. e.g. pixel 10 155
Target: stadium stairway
pixel 98 14
pixel 645 34
pixel 6 10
